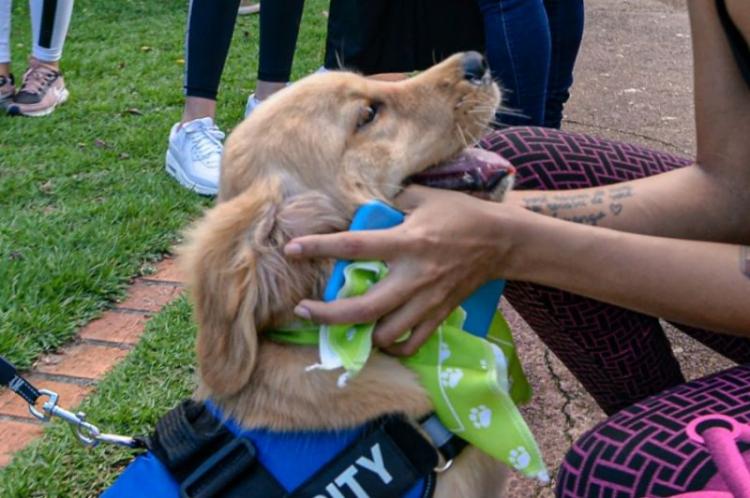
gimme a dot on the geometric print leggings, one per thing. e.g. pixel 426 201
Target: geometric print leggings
pixel 621 357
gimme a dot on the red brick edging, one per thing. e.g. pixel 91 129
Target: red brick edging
pixel 97 347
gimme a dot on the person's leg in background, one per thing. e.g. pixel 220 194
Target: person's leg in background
pixel 195 143
pixel 619 356
pixel 43 86
pixel 645 449
pixel 518 46
pixel 279 28
pixel 566 31
pixel 7 88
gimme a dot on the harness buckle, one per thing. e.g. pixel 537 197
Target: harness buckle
pixel 219 470
pixel 447 464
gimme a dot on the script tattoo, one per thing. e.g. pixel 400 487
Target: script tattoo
pixel 587 219
pixel 745 260
pixel 603 202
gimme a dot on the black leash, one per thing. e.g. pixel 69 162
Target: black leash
pixel 9 377
pixel 87 433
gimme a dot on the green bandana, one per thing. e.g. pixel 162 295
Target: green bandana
pixel 474 383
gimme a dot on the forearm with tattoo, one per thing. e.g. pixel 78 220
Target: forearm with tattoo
pixel 745 260
pixel 588 207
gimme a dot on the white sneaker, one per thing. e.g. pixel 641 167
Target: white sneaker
pixel 194 155
pixel 252 103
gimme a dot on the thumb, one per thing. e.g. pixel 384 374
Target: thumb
pixel 412 197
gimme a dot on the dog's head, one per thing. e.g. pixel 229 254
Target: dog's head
pixel 301 164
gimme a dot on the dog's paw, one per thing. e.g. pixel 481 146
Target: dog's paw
pixel 450 377
pixel 480 416
pixel 519 458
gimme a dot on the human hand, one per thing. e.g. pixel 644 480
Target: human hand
pixel 448 246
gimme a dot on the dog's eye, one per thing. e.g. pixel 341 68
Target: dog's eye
pixel 367 115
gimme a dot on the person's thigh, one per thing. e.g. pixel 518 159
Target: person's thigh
pixel 645 449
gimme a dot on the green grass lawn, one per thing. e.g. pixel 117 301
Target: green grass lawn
pixel 150 381
pixel 85 205
pixel 84 199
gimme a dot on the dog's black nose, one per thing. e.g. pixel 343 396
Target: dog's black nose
pixel 474 66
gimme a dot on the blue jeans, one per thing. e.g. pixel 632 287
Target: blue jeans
pixel 531 47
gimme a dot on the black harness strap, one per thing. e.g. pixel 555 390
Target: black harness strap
pixel 449 445
pixel 9 377
pixel 208 460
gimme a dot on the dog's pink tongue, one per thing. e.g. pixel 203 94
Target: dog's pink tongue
pixel 474 169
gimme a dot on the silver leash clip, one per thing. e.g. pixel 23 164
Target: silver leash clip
pixel 87 433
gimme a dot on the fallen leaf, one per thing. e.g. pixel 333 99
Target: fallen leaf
pixel 46 187
pixel 134 111
pixel 146 48
pixel 101 143
pixel 52 359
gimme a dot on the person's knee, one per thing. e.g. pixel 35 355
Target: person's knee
pixel 571 479
pixel 520 146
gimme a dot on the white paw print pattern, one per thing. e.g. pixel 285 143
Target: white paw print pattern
pixel 480 416
pixel 445 352
pixel 543 476
pixel 350 334
pixel 483 364
pixel 450 377
pixel 519 458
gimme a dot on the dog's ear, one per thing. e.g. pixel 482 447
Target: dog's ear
pixel 240 281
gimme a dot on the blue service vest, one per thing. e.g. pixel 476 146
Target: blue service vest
pixel 291 457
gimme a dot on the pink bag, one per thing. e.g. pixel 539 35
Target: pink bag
pixel 719 434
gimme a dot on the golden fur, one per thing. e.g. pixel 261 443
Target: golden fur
pixel 300 165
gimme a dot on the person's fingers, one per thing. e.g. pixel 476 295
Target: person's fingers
pixel 381 298
pixel 419 335
pixel 368 244
pixel 417 309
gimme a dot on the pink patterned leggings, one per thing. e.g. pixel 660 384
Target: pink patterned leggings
pixel 620 356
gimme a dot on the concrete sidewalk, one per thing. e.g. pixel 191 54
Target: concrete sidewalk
pixel 633 83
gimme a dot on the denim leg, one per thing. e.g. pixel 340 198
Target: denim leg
pixel 517 43
pixel 566 29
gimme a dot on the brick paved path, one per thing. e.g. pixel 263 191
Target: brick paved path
pixel 98 346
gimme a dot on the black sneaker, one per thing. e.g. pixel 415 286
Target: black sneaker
pixel 7 90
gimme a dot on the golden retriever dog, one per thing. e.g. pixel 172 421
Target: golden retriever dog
pixel 301 164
